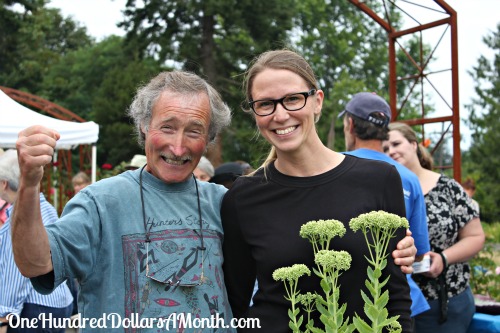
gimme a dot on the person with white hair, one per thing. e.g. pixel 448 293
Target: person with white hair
pixel 18 298
pixel 204 170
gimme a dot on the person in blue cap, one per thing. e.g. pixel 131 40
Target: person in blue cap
pixel 366 118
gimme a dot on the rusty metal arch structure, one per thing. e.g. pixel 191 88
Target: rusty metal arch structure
pixel 64 165
pixel 439 14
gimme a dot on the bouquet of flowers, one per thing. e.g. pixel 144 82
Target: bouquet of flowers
pixel 378 228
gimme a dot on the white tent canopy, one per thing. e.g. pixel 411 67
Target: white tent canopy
pixel 15 117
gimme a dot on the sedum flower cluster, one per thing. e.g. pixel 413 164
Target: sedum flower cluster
pixel 320 233
pixel 378 228
pixel 378 220
pixel 333 260
pixel 291 273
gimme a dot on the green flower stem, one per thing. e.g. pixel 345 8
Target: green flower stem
pixel 382 227
pixel 290 277
pixel 329 264
pixel 293 294
pixel 333 300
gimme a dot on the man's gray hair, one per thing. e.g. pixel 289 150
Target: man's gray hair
pixel 183 83
pixel 9 169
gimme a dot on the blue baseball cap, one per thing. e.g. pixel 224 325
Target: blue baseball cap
pixel 370 107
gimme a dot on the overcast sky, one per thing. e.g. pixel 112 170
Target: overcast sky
pixel 476 19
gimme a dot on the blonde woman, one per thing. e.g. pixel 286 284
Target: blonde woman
pixel 455 235
pixel 302 180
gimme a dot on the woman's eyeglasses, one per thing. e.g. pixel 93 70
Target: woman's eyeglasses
pixel 292 102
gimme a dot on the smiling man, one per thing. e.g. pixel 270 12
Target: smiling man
pixel 144 245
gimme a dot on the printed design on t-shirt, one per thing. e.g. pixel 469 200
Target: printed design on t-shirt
pixel 407 193
pixel 176 256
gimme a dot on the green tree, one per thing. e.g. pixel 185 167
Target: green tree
pixel 10 24
pixel 98 83
pixel 214 38
pixel 349 54
pixel 218 38
pixel 483 161
pixel 36 38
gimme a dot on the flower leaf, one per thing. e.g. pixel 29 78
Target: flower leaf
pixel 315 329
pixel 361 325
pixel 371 288
pixel 325 286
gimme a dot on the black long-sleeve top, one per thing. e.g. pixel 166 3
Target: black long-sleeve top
pixel 262 216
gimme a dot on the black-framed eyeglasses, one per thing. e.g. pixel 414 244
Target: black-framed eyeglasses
pixel 292 102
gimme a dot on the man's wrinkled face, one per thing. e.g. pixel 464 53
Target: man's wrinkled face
pixel 177 136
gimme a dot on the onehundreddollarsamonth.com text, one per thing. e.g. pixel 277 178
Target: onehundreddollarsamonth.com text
pixel 114 320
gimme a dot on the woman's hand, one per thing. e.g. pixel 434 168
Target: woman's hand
pixel 405 252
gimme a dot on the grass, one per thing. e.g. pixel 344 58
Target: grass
pixel 484 280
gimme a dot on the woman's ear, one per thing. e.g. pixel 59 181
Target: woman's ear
pixel 415 146
pixel 319 96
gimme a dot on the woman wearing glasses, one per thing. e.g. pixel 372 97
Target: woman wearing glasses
pixel 301 180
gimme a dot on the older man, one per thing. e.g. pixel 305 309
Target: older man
pixel 145 245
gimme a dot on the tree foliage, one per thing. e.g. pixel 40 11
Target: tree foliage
pixel 482 161
pixel 348 53
pixel 214 38
pixel 33 39
pixel 98 83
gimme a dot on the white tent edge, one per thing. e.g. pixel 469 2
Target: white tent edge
pixel 16 117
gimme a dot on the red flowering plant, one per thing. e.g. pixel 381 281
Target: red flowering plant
pixel 105 171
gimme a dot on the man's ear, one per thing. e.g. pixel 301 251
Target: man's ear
pixel 350 123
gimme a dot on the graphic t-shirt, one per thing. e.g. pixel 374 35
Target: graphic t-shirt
pixel 101 240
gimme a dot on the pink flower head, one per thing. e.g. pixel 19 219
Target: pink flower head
pixel 107 166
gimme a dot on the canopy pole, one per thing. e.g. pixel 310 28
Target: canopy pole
pixel 54 180
pixel 94 162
